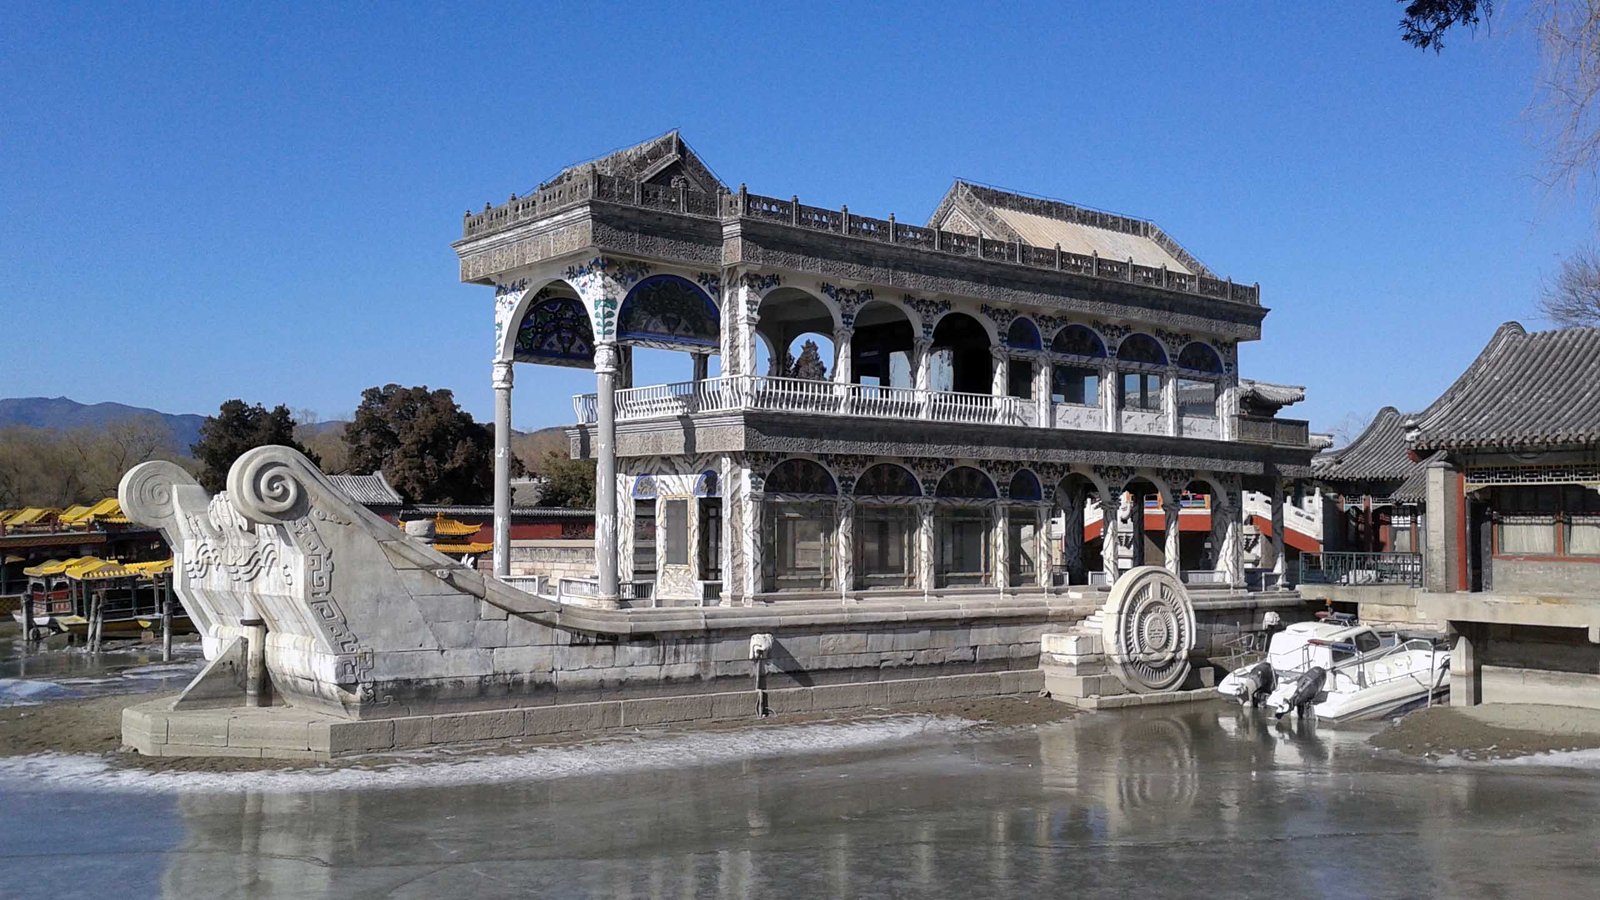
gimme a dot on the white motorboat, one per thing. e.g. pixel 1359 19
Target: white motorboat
pixel 1341 671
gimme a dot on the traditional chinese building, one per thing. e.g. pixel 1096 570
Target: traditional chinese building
pixel 1011 360
pixel 1512 552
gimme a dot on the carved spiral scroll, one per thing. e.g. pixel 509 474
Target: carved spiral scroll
pixel 146 491
pixel 1149 630
pixel 271 484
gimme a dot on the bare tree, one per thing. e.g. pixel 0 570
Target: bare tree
pixel 1348 428
pixel 1569 32
pixel 1573 298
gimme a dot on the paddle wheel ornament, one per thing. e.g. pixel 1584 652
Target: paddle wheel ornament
pixel 1148 630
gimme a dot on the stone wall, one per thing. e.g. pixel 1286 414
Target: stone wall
pixel 1547 576
pixel 553 558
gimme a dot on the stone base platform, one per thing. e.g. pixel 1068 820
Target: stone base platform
pixel 1075 673
pixel 280 732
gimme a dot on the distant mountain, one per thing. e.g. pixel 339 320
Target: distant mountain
pixel 62 414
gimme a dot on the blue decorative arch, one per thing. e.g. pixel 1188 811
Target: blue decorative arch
pixel 888 480
pixel 555 331
pixel 965 483
pixel 671 312
pixel 1025 486
pixel 1141 348
pixel 800 476
pixel 644 487
pixel 1199 356
pixel 708 485
pixel 1023 335
pixel 1078 340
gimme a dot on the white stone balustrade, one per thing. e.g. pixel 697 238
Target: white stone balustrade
pixel 772 393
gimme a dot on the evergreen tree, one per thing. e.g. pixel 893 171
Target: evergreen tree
pixel 236 429
pixel 428 447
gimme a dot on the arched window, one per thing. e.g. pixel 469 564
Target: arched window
pixel 1023 335
pixel 800 476
pixel 1141 348
pixel 1142 389
pixel 887 480
pixel 965 483
pixel 1076 382
pixel 1078 340
pixel 885 526
pixel 1025 487
pixel 1198 356
pixel 1197 397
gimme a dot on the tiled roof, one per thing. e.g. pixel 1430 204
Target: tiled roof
pixel 367 490
pixel 1008 216
pixel 1524 391
pixel 1378 461
pixel 657 160
pixel 1265 398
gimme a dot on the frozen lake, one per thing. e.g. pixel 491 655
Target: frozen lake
pixel 1203 802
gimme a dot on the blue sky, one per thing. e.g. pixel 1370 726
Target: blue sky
pixel 257 200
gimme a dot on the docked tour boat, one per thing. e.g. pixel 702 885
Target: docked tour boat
pixel 1341 671
pixel 64 596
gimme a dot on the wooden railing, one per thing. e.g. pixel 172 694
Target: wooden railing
pixel 791 212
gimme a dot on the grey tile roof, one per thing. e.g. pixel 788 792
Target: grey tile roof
pixel 367 490
pixel 1266 398
pixel 1524 391
pixel 1377 462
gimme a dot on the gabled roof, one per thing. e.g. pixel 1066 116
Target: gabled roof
pixel 368 490
pixel 1005 216
pixel 656 161
pixel 1524 391
pixel 1379 461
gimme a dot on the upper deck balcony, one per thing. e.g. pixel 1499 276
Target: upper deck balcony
pixel 799 396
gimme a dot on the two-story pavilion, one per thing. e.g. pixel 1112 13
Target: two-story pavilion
pixel 1012 358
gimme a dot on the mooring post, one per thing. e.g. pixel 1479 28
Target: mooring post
pixel 166 618
pixel 255 678
pixel 96 614
pixel 27 619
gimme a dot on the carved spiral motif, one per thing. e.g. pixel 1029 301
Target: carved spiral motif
pixel 1149 630
pixel 267 485
pixel 146 491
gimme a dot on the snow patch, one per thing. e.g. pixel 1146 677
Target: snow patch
pixel 25 692
pixel 445 767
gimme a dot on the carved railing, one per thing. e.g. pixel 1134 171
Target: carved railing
pixel 1269 430
pixel 1361 568
pixel 773 393
pixel 684 201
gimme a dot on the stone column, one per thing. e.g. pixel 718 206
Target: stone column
pixel 1226 528
pixel 605 489
pixel 1108 398
pixel 925 574
pixel 1135 508
pixel 922 372
pixel 842 363
pixel 1041 391
pixel 844 563
pixel 1466 681
pixel 702 366
pixel 1001 524
pixel 624 367
pixel 1042 563
pixel 502 467
pixel 1170 550
pixel 1169 400
pixel 1279 565
pixel 1072 508
pixel 1108 536
pixel 754 539
pixel 1441 559
pixel 1000 383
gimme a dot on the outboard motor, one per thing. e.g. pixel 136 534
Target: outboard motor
pixel 1250 684
pixel 1299 694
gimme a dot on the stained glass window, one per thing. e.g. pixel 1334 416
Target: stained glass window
pixel 965 483
pixel 800 476
pixel 670 311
